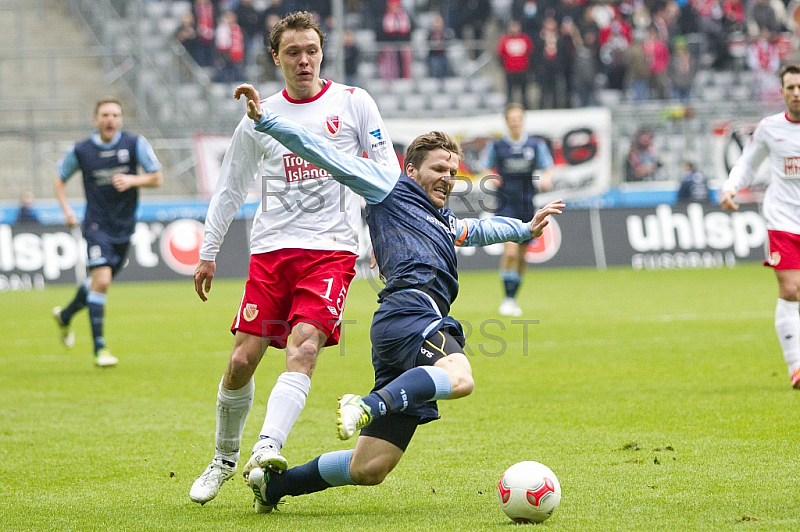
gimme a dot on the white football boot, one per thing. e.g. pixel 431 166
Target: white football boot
pixel 266 457
pixel 207 485
pixel 258 480
pixel 509 307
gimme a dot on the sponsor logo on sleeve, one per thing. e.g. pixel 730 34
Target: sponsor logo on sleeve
pixel 379 143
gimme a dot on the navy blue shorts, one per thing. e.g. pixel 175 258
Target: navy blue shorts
pixel 103 250
pixel 399 328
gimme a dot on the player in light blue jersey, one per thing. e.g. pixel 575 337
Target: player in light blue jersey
pixel 417 349
pixel 109 161
pixel 516 159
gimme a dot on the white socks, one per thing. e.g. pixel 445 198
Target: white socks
pixel 232 409
pixel 787 326
pixel 286 401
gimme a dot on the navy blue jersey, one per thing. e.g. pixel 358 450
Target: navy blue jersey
pixel 414 243
pixel 516 163
pixel 111 211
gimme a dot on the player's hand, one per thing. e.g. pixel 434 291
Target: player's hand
pixel 122 182
pixel 70 219
pixel 727 202
pixel 540 220
pixel 252 98
pixel 203 275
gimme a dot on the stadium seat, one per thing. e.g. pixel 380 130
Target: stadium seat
pixel 367 70
pixel 442 101
pixel 267 88
pixel 387 103
pixel 495 101
pixel 374 86
pixel 480 84
pixel 168 25
pixel 739 92
pixel 470 102
pixel 190 91
pixel 419 69
pixel 713 93
pixel 364 38
pixel 415 103
pixel 401 86
pixel 221 91
pixel 179 7
pixel 723 78
pixel 164 59
pixel 156 10
pixel 455 85
pixel 428 85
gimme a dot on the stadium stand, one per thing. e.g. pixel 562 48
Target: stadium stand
pixel 78 50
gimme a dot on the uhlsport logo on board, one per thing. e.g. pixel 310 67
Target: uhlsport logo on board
pixel 546 246
pixel 180 245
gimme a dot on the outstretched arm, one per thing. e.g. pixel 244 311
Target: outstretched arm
pixel 501 229
pixel 366 178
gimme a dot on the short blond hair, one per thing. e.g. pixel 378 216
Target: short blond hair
pixel 108 99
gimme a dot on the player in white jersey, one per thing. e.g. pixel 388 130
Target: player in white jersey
pixel 778 137
pixel 303 247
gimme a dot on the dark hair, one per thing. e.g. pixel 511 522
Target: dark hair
pixel 421 146
pixel 103 101
pixel 299 20
pixel 788 69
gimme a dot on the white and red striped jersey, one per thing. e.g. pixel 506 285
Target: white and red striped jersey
pixel 301 206
pixel 778 138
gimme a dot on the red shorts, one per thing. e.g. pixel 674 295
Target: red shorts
pixel 784 250
pixel 289 286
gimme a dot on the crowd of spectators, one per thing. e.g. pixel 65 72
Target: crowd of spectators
pixel 649 49
pixel 554 53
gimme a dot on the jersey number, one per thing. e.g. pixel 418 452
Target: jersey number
pixel 340 299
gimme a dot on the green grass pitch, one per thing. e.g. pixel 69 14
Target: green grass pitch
pixel 660 400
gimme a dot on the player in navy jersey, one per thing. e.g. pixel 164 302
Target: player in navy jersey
pixel 109 161
pixel 303 248
pixel 516 159
pixel 417 347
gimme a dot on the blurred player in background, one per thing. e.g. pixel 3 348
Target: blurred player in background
pixel 515 159
pixel 303 246
pixel 417 351
pixel 778 137
pixel 109 161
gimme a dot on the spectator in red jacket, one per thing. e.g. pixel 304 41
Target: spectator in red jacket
pixel 657 53
pixel 514 50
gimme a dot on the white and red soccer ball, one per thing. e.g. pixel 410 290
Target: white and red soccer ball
pixel 529 492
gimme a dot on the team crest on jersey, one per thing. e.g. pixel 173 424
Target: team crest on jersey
pixel 333 125
pixel 123 156
pixel 250 312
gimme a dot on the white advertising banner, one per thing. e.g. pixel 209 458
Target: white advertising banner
pixel 580 141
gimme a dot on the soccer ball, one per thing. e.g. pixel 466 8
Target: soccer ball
pixel 529 492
